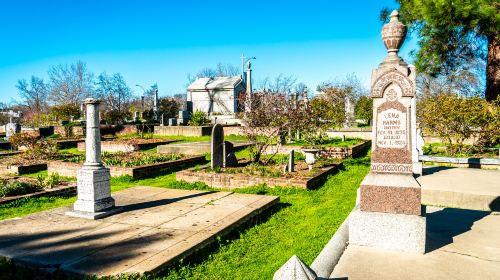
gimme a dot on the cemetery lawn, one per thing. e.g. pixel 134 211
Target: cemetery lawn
pixel 184 139
pixel 330 142
pixel 302 223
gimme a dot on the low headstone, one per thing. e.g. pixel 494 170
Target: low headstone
pixel 184 117
pixel 343 137
pixel 230 159
pixel 11 129
pixel 217 147
pixel 291 161
pixel 189 106
pixel 93 180
pixel 172 122
pixel 390 214
pixel 164 120
pixel 281 140
pixel 64 122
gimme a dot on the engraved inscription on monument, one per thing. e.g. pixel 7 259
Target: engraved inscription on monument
pixel 391 129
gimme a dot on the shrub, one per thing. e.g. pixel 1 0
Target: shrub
pixel 364 108
pixel 65 111
pixel 17 188
pixel 198 118
pixel 35 148
pixel 457 119
pixel 49 181
pixel 33 119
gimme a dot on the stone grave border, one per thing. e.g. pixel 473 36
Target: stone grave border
pixel 69 169
pixel 67 143
pixel 482 163
pixel 113 146
pixel 233 181
pixel 22 169
pixel 64 187
pixel 327 152
pixel 183 130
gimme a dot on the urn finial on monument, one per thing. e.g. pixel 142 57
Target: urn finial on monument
pixel 393 35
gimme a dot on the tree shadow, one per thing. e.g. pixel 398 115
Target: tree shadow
pixel 159 202
pixel 447 223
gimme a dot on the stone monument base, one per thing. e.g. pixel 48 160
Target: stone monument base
pixel 391 193
pixel 396 232
pixel 94 215
pixel 94 194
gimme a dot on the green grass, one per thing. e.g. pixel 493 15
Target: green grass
pixel 184 139
pixel 302 224
pixel 73 151
pixel 330 142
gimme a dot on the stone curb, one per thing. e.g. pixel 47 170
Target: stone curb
pixel 328 258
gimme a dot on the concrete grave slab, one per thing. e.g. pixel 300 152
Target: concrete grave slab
pixel 156 228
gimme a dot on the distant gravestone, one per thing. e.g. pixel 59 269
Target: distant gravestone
pixel 291 161
pixel 172 122
pixel 11 129
pixel 164 120
pixel 136 116
pixel 217 147
pixel 230 159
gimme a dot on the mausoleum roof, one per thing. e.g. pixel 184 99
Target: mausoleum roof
pixel 215 83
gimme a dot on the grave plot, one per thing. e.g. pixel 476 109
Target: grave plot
pixel 13 188
pixel 130 145
pixel 155 229
pixel 333 148
pixel 247 174
pixel 136 164
pixel 226 171
pixel 196 148
pixel 18 165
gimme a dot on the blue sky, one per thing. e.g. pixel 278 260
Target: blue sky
pixel 162 41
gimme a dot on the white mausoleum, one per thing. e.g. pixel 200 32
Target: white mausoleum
pixel 217 96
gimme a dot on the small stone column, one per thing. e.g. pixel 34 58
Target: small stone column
pixel 390 215
pixel 93 180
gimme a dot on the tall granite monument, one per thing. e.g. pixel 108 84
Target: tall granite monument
pixel 390 215
pixel 93 180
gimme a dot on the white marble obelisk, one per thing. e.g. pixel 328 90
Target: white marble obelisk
pixel 93 180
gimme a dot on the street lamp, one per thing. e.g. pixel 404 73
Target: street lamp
pixel 244 61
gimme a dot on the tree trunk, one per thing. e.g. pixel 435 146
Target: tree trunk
pixel 493 68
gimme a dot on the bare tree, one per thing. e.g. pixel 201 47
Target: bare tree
pixel 114 91
pixel 220 70
pixel 34 93
pixel 280 84
pixel 70 84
